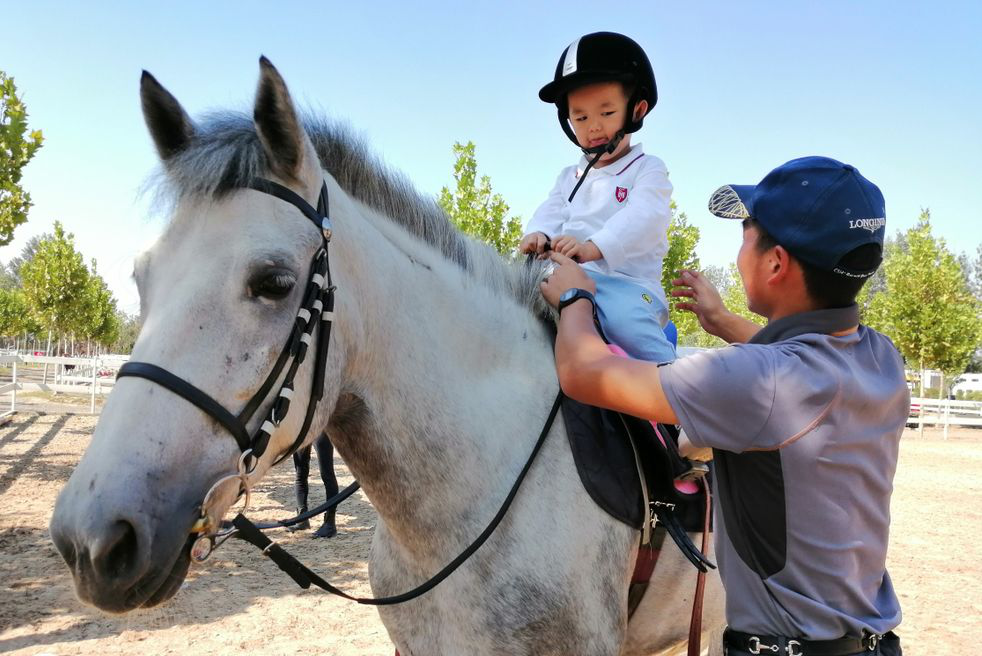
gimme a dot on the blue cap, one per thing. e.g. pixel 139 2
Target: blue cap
pixel 818 208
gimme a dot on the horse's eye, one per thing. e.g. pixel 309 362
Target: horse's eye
pixel 273 284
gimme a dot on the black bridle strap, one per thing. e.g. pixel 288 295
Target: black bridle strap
pixel 317 216
pixel 304 577
pixel 192 395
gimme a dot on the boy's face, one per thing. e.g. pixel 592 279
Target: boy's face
pixel 597 112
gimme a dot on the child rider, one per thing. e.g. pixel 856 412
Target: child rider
pixel 615 225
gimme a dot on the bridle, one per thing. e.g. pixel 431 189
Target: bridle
pixel 317 307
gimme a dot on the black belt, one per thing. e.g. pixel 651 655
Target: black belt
pixel 781 646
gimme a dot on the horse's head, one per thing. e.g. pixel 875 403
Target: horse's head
pixel 219 295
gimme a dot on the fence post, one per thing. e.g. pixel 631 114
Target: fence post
pixel 13 392
pixel 95 370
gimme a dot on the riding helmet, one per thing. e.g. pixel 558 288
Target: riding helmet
pixel 602 57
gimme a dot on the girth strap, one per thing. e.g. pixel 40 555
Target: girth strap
pixel 191 394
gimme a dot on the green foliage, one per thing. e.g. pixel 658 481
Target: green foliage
pixel 97 320
pixel 55 282
pixel 17 147
pixel 474 209
pixel 129 330
pixel 15 317
pixel 927 307
pixel 682 240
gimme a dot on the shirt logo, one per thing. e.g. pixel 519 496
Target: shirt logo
pixel 620 194
pixel 867 224
pixel 646 298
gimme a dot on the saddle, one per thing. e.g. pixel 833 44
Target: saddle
pixel 622 460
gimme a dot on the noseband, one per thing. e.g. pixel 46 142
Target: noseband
pixel 317 307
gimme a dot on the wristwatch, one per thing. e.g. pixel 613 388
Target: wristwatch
pixel 574 294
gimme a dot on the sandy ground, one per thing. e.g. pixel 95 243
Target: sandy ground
pixel 238 603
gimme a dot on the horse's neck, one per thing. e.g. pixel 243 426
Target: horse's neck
pixel 447 383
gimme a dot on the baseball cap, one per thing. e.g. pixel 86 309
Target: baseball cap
pixel 818 208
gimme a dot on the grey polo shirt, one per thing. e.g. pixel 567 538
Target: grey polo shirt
pixel 806 433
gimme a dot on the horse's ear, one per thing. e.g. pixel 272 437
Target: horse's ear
pixel 170 126
pixel 277 124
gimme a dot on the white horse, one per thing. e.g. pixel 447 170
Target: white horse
pixel 440 377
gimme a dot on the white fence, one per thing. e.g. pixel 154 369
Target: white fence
pixel 89 376
pixel 944 412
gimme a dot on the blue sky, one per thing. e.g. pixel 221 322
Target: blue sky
pixel 891 87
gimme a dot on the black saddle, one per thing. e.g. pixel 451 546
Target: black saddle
pixel 615 454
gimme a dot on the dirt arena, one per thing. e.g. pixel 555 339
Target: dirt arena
pixel 239 603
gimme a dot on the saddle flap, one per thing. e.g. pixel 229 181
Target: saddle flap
pixel 600 441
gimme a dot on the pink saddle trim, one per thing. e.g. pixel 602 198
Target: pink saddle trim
pixel 685 487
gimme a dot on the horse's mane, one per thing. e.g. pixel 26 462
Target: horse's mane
pixel 225 154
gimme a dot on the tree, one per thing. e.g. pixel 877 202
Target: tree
pixel 129 330
pixel 927 308
pixel 55 282
pixel 98 318
pixel 474 209
pixel 682 240
pixel 14 315
pixel 17 147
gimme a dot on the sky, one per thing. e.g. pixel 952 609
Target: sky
pixel 892 87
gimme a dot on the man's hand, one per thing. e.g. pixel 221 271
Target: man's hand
pixel 534 242
pixel 708 307
pixel 567 275
pixel 706 302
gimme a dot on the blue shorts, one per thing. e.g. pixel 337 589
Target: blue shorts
pixel 633 318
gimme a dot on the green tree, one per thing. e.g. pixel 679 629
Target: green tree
pixel 17 147
pixel 129 330
pixel 474 209
pixel 927 307
pixel 97 320
pixel 682 240
pixel 14 315
pixel 55 282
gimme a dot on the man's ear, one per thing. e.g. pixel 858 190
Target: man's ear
pixel 640 109
pixel 779 263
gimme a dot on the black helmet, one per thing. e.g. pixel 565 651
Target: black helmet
pixel 602 57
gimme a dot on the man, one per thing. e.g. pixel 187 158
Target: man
pixel 804 419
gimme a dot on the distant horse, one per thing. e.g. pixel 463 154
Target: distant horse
pixel 439 377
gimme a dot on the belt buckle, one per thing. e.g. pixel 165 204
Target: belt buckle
pixel 756 646
pixel 792 645
pixel 872 641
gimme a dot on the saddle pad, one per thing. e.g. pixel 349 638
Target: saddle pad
pixel 606 464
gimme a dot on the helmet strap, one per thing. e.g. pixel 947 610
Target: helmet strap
pixel 597 152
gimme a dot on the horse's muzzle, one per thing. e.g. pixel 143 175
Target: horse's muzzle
pixel 113 560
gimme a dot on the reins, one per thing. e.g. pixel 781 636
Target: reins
pixel 304 577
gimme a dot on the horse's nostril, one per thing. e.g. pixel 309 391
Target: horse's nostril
pixel 117 557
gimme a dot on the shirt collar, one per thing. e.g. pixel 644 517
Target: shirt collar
pixel 611 169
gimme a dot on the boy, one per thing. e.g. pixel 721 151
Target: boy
pixel 617 224
pixel 804 420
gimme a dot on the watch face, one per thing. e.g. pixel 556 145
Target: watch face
pixel 568 295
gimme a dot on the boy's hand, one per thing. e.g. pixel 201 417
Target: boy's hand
pixel 564 244
pixel 585 252
pixel 566 276
pixel 534 242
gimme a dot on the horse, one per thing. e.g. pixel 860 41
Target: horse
pixel 439 376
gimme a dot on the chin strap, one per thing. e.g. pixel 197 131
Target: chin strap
pixel 597 152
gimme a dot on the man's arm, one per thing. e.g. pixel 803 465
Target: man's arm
pixel 588 371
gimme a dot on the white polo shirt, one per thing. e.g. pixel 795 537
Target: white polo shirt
pixel 623 208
